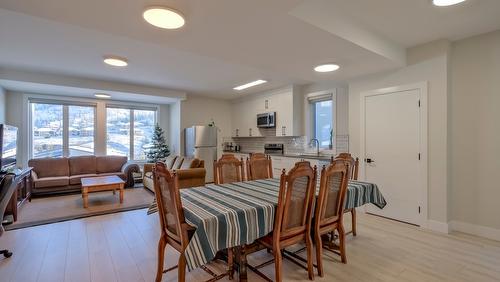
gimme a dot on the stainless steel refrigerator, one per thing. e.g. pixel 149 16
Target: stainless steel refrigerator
pixel 201 142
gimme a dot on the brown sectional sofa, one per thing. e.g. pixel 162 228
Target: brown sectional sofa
pixel 190 171
pixel 52 175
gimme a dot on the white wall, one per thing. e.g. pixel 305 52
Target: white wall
pixel 433 68
pixel 14 116
pixel 197 110
pixel 2 105
pixel 175 128
pixel 475 131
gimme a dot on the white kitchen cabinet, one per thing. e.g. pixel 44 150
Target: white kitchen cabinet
pixel 237 120
pixel 281 162
pixel 244 119
pixel 252 111
pixel 286 102
pixel 240 155
pixel 288 108
pixel 287 163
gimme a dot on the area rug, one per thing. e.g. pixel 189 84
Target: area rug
pixel 67 207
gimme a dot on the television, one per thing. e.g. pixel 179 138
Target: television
pixel 8 147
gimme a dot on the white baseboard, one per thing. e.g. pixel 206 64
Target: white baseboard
pixel 437 226
pixel 478 230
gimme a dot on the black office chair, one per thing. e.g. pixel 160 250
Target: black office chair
pixel 7 188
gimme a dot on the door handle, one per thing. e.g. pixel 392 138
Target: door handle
pixel 369 161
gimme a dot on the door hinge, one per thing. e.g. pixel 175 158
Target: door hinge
pixel 419 103
pixel 418 209
pixel 419 156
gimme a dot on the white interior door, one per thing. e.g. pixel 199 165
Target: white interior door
pixel 392 152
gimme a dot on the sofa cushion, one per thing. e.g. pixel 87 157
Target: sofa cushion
pixel 77 179
pixel 190 163
pixel 170 160
pixel 178 163
pixel 82 165
pixel 48 182
pixel 119 174
pixel 148 183
pixel 107 164
pixel 50 167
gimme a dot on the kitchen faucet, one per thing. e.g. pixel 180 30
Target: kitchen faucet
pixel 317 145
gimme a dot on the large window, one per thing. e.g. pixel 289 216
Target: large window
pixel 322 121
pixel 62 129
pixel 81 130
pixel 144 126
pixel 129 131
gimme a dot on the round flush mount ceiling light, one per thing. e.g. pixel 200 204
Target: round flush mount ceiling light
pixel 327 68
pixel 115 61
pixel 163 17
pixel 444 3
pixel 102 95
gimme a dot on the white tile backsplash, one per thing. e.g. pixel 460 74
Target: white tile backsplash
pixel 292 144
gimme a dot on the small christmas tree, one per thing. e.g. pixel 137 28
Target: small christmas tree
pixel 158 150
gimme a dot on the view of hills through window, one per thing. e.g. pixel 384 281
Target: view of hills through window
pixel 119 136
pixel 49 126
pixel 69 130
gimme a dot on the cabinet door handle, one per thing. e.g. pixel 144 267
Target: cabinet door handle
pixel 250 132
pixel 237 132
pixel 266 105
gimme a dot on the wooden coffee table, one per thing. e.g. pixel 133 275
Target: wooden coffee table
pixel 101 183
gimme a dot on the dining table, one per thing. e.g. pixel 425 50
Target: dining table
pixel 236 214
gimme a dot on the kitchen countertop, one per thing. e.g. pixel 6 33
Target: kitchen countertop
pixel 290 155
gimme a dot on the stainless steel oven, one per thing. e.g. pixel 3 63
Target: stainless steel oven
pixel 274 149
pixel 266 120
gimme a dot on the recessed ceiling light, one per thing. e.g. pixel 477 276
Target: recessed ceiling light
pixel 250 84
pixel 327 68
pixel 115 61
pixel 102 95
pixel 444 3
pixel 163 17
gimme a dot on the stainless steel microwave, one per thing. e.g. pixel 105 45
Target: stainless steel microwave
pixel 266 119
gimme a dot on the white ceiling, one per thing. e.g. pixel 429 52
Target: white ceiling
pixel 228 42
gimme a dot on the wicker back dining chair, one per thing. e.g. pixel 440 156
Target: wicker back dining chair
pixel 228 169
pixel 292 223
pixel 174 229
pixel 330 210
pixel 352 174
pixel 259 166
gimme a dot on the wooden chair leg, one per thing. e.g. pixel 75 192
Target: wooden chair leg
pixel 310 266
pixel 319 253
pixel 342 243
pixel 230 262
pixel 162 243
pixel 353 215
pixel 182 268
pixel 278 268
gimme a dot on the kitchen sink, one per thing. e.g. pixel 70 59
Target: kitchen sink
pixel 313 155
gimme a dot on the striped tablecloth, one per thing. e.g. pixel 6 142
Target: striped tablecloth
pixel 231 215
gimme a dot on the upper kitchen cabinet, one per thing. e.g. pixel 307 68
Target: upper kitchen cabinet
pixel 244 119
pixel 286 102
pixel 288 108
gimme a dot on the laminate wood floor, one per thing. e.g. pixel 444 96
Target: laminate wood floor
pixel 122 247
